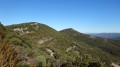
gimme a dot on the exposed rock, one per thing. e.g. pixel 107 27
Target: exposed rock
pixel 115 65
pixel 43 40
pixel 37 27
pixel 20 29
pixel 34 24
pixel 70 48
pixel 51 52
pixel 26 32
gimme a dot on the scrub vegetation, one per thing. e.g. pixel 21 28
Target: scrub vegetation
pixel 34 44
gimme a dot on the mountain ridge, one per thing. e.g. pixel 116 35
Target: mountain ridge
pixel 106 35
pixel 48 47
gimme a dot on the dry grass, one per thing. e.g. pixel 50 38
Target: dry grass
pixel 8 56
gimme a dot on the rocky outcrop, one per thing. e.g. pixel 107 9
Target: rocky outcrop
pixel 51 52
pixel 43 40
pixel 70 48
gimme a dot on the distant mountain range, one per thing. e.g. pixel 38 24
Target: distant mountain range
pixel 106 35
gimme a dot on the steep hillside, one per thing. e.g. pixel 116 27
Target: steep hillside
pixel 45 47
pixel 107 45
pixel 2 32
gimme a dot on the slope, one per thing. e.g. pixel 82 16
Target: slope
pixel 44 46
pixel 106 45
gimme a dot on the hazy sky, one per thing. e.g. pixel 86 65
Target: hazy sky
pixel 87 16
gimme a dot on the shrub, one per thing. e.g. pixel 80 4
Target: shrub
pixel 9 57
pixel 2 32
pixel 94 64
pixel 23 64
pixel 42 61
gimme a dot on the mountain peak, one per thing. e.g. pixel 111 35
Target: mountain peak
pixel 70 29
pixel 33 23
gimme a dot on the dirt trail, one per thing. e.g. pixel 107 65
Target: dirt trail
pixel 115 65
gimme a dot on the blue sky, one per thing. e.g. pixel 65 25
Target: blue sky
pixel 86 16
